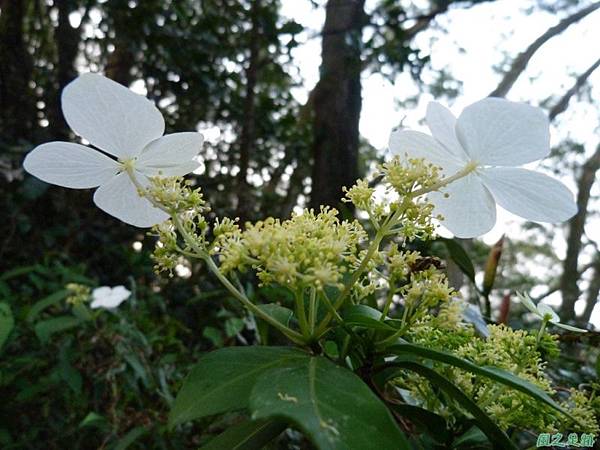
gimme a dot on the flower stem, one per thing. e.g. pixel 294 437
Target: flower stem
pixel 312 310
pixel 202 254
pixel 540 332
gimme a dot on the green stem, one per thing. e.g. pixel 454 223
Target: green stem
pixel 541 332
pixel 312 310
pixel 388 302
pixel 200 253
pixel 301 314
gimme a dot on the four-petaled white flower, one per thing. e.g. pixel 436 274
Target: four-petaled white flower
pixel 126 126
pixel 488 140
pixel 109 298
pixel 545 313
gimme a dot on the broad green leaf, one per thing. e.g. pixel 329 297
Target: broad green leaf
pixel 366 317
pixel 460 257
pixel 222 380
pixel 280 313
pixel 485 423
pixel 332 405
pixel 44 303
pixel 46 328
pixel 7 322
pixel 249 435
pixel 494 373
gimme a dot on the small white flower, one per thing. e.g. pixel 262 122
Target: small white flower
pixel 491 136
pixel 126 126
pixel 109 298
pixel 545 313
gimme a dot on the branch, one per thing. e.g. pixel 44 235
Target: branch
pixel 568 282
pixel 563 103
pixel 520 62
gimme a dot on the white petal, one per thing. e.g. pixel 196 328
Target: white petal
pixel 469 210
pixel 527 302
pixel 101 292
pixel 531 195
pixel 570 328
pixel 110 116
pixel 547 311
pixel 119 198
pixel 414 144
pixel 497 132
pixel 70 165
pixel 442 124
pixel 171 155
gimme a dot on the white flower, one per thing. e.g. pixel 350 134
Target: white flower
pixel 126 126
pixel 107 297
pixel 491 137
pixel 545 313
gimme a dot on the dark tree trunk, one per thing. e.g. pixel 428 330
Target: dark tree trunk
pixel 337 103
pixel 593 292
pixel 248 131
pixel 17 107
pixel 568 285
pixel 67 41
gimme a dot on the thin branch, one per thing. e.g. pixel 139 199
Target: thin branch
pixel 563 103
pixel 520 62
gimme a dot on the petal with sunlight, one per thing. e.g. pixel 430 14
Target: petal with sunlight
pixel 120 198
pixel 442 124
pixel 469 210
pixel 415 144
pixel 531 195
pixel 110 116
pixel 498 132
pixel 70 165
pixel 171 155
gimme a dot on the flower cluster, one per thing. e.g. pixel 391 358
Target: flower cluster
pixel 309 249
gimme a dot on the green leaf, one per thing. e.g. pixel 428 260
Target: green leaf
pixel 494 373
pixel 279 313
pixel 249 435
pixel 472 438
pixel 44 303
pixel 7 323
pixel 95 420
pixel 429 422
pixel 46 328
pixel 233 326
pixel 366 317
pixel 460 257
pixel 222 380
pixel 487 425
pixel 132 435
pixel 332 405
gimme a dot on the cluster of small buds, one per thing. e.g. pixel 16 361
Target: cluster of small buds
pixel 177 195
pixel 166 253
pixel 78 294
pixel 309 249
pixel 426 290
pixel 405 177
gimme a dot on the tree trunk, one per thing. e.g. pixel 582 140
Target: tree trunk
pixel 520 63
pixel 592 293
pixel 67 41
pixel 568 285
pixel 17 107
pixel 337 103
pixel 248 131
